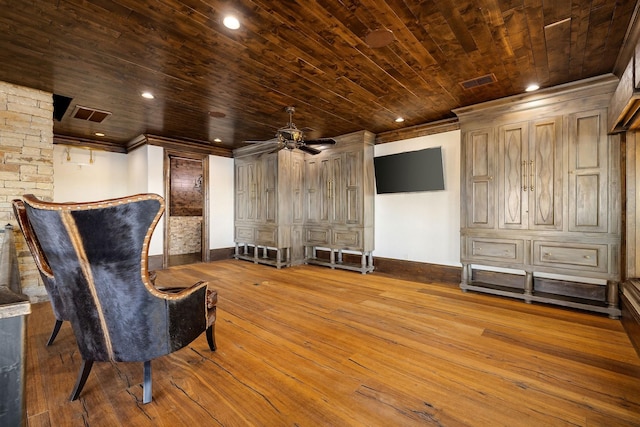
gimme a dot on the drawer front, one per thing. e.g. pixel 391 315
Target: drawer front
pixel 267 236
pixel 316 236
pixel 578 256
pixel 244 234
pixel 505 250
pixel 347 239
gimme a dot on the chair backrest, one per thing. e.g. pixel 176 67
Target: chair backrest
pixel 40 259
pixel 98 254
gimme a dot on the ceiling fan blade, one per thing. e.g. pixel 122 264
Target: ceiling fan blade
pixel 309 150
pixel 320 141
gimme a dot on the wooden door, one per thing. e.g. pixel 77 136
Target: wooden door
pixel 353 188
pixel 313 191
pixel 514 177
pixel 588 172
pixel 269 190
pixel 545 171
pixel 247 190
pixel 480 170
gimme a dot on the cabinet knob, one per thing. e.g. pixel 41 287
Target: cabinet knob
pixel 587 256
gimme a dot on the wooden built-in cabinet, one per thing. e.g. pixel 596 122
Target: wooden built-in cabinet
pixel 541 195
pixel 292 207
pixel 268 207
pixel 339 197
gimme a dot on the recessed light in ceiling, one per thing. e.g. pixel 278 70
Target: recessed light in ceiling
pixel 399 119
pixel 532 87
pixel 99 134
pixel 231 22
pixel 147 95
pixel 217 140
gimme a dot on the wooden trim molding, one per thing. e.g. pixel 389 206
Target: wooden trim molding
pixel 431 128
pixel 180 145
pixel 89 143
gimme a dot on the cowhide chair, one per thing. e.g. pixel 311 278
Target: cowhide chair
pixel 98 254
pixel 46 274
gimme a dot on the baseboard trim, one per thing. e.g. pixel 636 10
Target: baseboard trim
pixel 417 271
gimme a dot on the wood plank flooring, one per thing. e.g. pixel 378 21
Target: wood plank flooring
pixel 310 346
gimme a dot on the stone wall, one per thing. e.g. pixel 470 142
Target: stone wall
pixel 26 165
pixel 186 235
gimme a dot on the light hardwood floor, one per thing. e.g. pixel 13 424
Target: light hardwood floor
pixel 310 346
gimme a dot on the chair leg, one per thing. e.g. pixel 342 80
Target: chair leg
pixel 82 378
pixel 146 387
pixel 211 337
pixel 54 333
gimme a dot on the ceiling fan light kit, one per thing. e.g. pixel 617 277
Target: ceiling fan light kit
pixel 291 138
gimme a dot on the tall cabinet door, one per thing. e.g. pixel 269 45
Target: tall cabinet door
pixel 270 187
pixel 588 167
pixel 545 180
pixel 513 182
pixel 353 191
pixel 247 192
pixel 313 192
pixel 480 171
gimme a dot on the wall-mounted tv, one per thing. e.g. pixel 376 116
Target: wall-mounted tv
pixel 410 171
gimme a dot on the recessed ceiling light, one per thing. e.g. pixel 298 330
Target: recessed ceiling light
pixel 231 22
pixel 99 134
pixel 217 140
pixel 532 87
pixel 147 95
pixel 399 119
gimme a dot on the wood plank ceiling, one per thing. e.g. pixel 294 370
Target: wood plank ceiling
pixel 211 82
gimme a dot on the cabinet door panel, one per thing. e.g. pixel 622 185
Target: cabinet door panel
pixel 336 190
pixel 545 175
pixel 513 178
pixel 499 250
pixel 312 190
pixel 480 160
pixel 575 256
pixel 247 194
pixel 588 166
pixel 270 185
pixel 297 178
pixel 353 188
pixel 242 192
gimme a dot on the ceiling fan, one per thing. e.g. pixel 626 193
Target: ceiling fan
pixel 290 137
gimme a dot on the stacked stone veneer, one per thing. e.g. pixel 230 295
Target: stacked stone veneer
pixel 26 165
pixel 186 235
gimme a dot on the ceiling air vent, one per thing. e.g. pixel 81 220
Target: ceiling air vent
pixel 89 114
pixel 479 81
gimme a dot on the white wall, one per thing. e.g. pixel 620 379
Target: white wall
pixel 78 180
pixel 424 226
pixel 141 171
pixel 221 203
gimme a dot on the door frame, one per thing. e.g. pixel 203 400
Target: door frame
pixel 205 252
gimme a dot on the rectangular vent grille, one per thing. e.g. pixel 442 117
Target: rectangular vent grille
pixel 90 114
pixel 479 81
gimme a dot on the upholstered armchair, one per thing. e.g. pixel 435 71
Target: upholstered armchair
pixel 98 254
pixel 43 268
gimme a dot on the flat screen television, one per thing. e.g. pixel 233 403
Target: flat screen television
pixel 408 172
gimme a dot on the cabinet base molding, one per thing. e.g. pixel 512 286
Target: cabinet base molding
pixel 277 257
pixel 581 296
pixel 335 258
